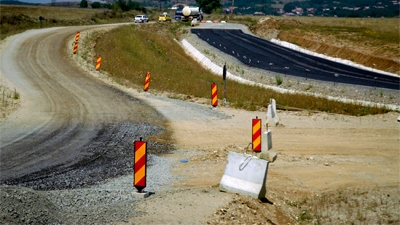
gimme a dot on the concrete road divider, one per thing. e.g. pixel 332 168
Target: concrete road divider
pixel 266 149
pixel 272 117
pixel 245 174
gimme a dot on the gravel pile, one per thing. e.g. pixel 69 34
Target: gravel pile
pixel 108 155
pixel 105 203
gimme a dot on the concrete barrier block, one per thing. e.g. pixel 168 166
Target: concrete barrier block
pixel 245 174
pixel 273 103
pixel 266 141
pixel 272 117
pixel 269 155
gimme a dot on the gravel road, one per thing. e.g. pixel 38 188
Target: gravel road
pixel 67 117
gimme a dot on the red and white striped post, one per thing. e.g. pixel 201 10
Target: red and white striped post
pixel 98 63
pixel 76 47
pixel 147 82
pixel 139 164
pixel 256 134
pixel 214 95
pixel 78 34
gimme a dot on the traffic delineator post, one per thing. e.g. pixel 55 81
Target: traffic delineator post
pixel 139 164
pixel 76 47
pixel 147 82
pixel 98 63
pixel 256 134
pixel 78 34
pixel 214 95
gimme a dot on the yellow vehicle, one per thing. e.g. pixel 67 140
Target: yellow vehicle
pixel 164 18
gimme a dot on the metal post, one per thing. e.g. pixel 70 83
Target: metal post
pixel 334 79
pixel 307 70
pixel 224 77
pixel 286 68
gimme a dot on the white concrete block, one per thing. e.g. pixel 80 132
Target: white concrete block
pixel 269 155
pixel 272 117
pixel 273 103
pixel 245 174
pixel 266 141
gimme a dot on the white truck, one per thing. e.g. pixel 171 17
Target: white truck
pixel 189 13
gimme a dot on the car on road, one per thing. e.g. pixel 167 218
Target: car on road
pixel 164 18
pixel 141 19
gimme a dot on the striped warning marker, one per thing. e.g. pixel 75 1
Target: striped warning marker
pixel 147 82
pixel 98 63
pixel 256 138
pixel 214 95
pixel 75 47
pixel 78 34
pixel 139 164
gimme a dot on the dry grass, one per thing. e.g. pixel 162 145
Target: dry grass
pixel 369 31
pixel 59 13
pixel 129 52
pixel 350 206
pixel 9 101
pixel 16 19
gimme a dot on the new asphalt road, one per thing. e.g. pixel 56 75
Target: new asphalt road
pixel 263 54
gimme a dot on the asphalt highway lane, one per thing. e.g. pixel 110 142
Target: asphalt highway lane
pixel 263 54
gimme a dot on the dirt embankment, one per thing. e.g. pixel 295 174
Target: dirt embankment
pixel 361 52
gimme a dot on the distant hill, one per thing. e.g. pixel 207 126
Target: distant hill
pixel 344 8
pixel 330 8
pixel 10 2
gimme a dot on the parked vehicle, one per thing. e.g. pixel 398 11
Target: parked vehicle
pixel 178 14
pixel 164 18
pixel 141 19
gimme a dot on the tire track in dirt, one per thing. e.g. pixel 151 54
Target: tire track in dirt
pixel 63 109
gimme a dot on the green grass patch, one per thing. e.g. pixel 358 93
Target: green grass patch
pixel 129 52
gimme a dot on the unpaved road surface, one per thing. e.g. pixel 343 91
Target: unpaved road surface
pixel 67 118
pixel 347 167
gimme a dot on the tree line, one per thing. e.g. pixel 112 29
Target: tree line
pixel 119 4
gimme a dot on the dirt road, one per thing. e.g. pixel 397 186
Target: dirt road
pixel 65 114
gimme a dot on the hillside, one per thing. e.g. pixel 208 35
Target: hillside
pixel 369 42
